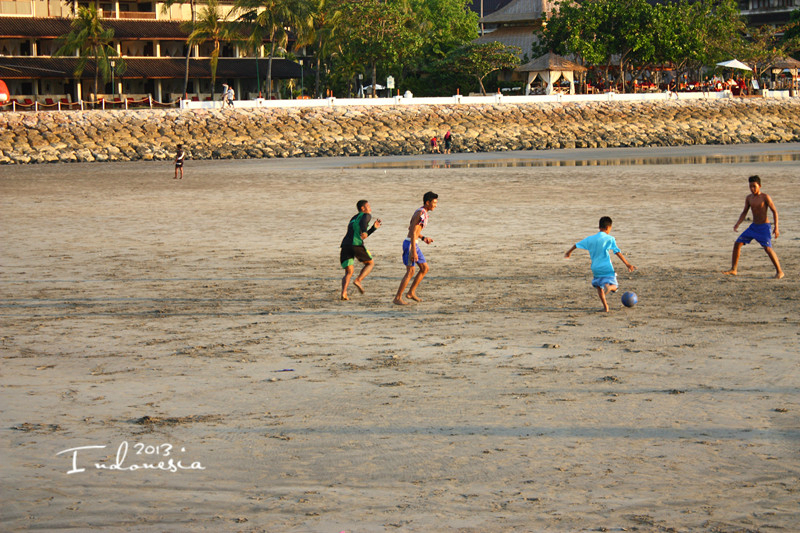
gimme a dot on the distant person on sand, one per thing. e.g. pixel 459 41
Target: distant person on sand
pixel 448 141
pixel 759 230
pixel 599 245
pixel 353 247
pixel 180 155
pixel 435 144
pixel 412 255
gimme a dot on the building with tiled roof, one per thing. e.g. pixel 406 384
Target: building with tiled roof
pixel 151 40
pixel 513 24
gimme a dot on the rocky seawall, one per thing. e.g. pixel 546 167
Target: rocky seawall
pixel 44 137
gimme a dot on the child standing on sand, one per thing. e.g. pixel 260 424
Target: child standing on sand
pixel 598 245
pixel 759 230
pixel 180 155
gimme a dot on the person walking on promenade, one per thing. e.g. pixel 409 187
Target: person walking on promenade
pixel 759 202
pixel 353 247
pixel 598 246
pixel 412 254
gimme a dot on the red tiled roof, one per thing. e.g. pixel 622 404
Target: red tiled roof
pixel 26 27
pixel 521 36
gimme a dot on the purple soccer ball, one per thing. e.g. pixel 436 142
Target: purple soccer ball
pixel 629 299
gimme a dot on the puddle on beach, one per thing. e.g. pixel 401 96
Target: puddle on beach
pixel 607 162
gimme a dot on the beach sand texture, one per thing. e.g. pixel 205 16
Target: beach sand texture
pixel 203 314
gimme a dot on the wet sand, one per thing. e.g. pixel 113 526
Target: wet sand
pixel 198 320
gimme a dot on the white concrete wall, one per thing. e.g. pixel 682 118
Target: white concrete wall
pixel 467 100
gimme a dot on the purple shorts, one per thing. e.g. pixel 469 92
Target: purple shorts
pixel 762 233
pixel 406 253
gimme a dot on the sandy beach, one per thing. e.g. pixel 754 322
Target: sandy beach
pixel 197 323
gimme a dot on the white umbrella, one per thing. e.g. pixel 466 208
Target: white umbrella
pixel 734 63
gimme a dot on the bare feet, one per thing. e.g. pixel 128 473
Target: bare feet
pixel 358 286
pixel 730 273
pixel 399 301
pixel 779 275
pixel 413 297
pixel 344 297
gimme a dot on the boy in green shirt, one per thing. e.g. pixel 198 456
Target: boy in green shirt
pixel 353 247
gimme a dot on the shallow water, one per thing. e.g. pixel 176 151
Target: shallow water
pixel 437 162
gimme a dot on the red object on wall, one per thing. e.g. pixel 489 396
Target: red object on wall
pixel 4 96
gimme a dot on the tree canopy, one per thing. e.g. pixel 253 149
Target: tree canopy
pixel 91 41
pixel 635 33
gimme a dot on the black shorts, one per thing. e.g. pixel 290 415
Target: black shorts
pixel 349 253
pixel 179 164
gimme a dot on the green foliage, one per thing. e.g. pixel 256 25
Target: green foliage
pixel 635 32
pixel 91 41
pixel 402 38
pixel 480 60
pixel 270 20
pixel 211 26
pixel 766 46
pixel 791 34
pixel 444 24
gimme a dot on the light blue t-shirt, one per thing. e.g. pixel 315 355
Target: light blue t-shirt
pixel 598 246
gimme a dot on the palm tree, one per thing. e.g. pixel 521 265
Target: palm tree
pixel 90 40
pixel 325 19
pixel 269 19
pixel 211 26
pixel 164 8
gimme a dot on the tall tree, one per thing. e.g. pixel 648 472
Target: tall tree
pixel 270 20
pixel 389 34
pixel 766 45
pixel 212 26
pixel 792 32
pixel 445 24
pixel 89 39
pixel 480 60
pixel 193 7
pixel 634 32
pixel 320 33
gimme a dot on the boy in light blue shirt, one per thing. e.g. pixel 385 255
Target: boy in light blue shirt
pixel 598 246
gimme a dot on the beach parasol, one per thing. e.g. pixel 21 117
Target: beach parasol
pixel 734 63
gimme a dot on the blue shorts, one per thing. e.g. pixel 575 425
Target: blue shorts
pixel 762 233
pixel 602 281
pixel 407 249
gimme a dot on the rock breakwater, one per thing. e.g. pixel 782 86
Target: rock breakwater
pixel 45 137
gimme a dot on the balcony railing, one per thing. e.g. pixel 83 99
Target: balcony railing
pixel 128 15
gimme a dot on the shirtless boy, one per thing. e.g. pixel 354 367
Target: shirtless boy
pixel 353 247
pixel 759 230
pixel 180 155
pixel 412 255
pixel 599 245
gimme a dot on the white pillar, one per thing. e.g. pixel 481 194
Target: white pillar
pixel 158 91
pixel 158 48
